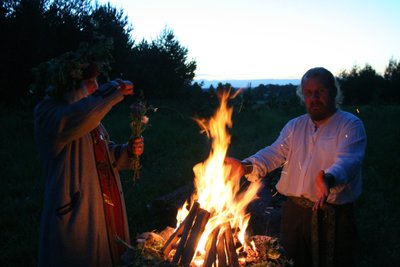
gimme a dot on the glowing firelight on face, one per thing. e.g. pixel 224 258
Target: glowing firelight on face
pixel 217 189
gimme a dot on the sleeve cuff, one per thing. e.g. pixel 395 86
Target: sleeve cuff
pixel 248 166
pixel 107 89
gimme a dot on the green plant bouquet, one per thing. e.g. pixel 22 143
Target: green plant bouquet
pixel 139 123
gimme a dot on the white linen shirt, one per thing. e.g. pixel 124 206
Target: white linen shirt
pixel 337 147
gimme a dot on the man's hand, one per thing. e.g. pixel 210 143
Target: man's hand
pixel 321 191
pixel 237 169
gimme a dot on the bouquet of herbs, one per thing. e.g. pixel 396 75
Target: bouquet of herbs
pixel 139 123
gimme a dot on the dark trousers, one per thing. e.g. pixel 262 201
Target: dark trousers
pixel 296 235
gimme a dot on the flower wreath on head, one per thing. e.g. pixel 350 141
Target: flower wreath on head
pixel 66 72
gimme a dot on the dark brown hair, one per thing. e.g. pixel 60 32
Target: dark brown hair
pixel 91 71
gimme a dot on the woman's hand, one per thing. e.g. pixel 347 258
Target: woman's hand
pixel 125 87
pixel 136 146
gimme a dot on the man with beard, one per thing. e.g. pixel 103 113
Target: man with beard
pixel 320 153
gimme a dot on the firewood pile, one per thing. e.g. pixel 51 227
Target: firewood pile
pixel 220 244
pixel 178 247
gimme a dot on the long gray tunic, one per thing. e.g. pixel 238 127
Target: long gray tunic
pixel 73 229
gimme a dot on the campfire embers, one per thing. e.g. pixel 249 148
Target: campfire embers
pixel 220 247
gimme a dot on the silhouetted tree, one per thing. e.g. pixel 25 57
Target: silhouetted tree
pixel 19 48
pixel 112 23
pixel 391 93
pixel 33 31
pixel 162 68
pixel 65 23
pixel 360 86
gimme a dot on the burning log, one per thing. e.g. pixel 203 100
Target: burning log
pixel 221 251
pixel 211 248
pixel 184 226
pixel 220 245
pixel 230 246
pixel 189 233
pixel 195 235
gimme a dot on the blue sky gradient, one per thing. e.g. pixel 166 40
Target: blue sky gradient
pixel 269 39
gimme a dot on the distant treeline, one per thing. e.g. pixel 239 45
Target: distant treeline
pixel 34 31
pixel 364 86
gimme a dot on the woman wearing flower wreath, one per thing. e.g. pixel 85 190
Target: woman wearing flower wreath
pixel 84 210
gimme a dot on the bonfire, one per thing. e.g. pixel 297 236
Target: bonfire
pixel 211 225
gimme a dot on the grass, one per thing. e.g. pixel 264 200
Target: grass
pixel 173 145
pixel 377 209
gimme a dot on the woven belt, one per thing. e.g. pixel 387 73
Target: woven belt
pixel 328 219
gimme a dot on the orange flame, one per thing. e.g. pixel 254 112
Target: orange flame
pixel 217 191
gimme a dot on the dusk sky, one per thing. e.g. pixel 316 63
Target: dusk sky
pixel 270 39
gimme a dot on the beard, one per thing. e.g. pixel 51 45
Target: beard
pixel 318 111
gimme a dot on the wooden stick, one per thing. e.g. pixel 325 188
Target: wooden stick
pixel 221 251
pixel 186 230
pixel 211 248
pixel 169 245
pixel 194 237
pixel 230 246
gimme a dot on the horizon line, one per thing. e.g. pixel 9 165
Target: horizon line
pixel 246 82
